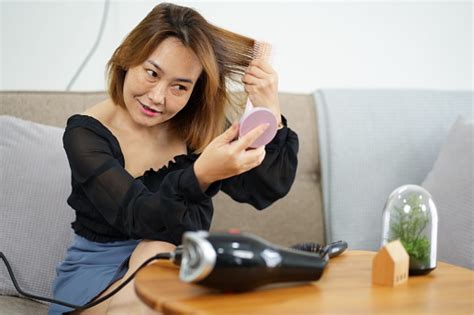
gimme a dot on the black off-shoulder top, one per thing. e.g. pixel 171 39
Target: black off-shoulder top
pixel 111 205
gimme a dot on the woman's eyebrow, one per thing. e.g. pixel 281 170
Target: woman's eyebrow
pixel 161 70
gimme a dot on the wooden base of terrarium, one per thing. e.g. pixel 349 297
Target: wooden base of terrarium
pixel 420 272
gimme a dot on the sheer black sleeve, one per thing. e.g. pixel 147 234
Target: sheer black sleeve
pixel 272 179
pixel 125 202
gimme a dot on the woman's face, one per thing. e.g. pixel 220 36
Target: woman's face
pixel 160 87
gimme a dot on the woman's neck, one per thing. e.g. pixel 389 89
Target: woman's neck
pixel 121 120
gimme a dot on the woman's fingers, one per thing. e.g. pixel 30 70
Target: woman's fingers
pixel 230 134
pixel 258 71
pixel 224 157
pixel 245 141
pixel 254 72
pixel 253 158
pixel 262 65
pixel 261 84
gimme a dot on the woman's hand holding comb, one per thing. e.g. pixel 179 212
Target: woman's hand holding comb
pixel 261 84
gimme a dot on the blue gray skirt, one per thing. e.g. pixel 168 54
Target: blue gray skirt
pixel 88 269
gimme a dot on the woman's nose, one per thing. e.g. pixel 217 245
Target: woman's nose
pixel 157 94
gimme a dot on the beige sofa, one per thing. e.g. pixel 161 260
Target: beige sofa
pixel 356 146
pixel 295 218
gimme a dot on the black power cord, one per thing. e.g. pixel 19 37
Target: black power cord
pixel 169 256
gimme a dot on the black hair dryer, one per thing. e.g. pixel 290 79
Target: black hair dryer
pixel 239 261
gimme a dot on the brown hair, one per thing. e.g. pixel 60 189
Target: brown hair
pixel 224 56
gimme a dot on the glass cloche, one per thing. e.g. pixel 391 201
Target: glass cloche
pixel 410 216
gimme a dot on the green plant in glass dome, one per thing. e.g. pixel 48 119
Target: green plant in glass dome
pixel 408 226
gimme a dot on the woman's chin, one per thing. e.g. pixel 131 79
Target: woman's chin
pixel 147 121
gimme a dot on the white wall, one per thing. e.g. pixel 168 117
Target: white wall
pixel 350 44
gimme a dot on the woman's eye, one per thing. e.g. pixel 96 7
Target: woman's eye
pixel 180 87
pixel 152 73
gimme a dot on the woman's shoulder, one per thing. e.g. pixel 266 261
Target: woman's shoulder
pixel 99 109
pixel 93 119
pixel 101 112
pixel 96 115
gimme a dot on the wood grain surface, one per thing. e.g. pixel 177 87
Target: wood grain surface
pixel 344 288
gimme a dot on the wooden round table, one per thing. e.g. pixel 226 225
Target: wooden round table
pixel 344 288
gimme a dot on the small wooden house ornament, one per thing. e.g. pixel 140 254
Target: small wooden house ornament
pixel 390 265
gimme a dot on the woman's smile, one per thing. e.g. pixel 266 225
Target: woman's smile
pixel 148 110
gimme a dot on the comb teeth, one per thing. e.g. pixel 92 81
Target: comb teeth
pixel 308 247
pixel 262 50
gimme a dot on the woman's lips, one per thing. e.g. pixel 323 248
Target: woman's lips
pixel 147 110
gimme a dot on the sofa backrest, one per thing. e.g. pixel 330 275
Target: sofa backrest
pixel 373 141
pixel 296 218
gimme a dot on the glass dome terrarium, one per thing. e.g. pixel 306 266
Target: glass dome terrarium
pixel 410 216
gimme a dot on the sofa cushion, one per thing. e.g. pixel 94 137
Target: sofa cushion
pixel 451 183
pixel 35 218
pixel 373 141
pixel 15 306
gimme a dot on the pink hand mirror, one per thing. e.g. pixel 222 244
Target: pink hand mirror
pixel 255 116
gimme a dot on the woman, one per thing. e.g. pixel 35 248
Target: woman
pixel 146 162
